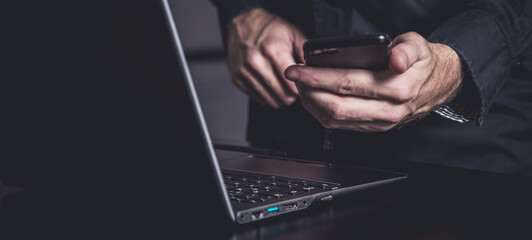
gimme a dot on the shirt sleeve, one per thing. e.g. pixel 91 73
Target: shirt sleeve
pixel 229 9
pixel 489 37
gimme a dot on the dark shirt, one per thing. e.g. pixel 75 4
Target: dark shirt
pixel 494 40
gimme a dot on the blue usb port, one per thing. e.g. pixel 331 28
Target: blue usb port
pixel 273 209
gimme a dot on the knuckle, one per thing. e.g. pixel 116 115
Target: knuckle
pixel 411 34
pixel 325 117
pixel 396 115
pixel 310 79
pixel 253 61
pixel 394 118
pixel 268 48
pixel 336 111
pixel 345 86
pixel 403 36
pixel 276 105
pixel 403 94
pixel 384 128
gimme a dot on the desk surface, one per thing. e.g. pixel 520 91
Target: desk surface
pixel 434 203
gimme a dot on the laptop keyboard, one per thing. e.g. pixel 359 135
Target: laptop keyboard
pixel 246 187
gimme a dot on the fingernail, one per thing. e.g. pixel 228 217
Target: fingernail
pixel 290 100
pixel 292 74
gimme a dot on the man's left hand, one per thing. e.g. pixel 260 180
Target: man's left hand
pixel 421 76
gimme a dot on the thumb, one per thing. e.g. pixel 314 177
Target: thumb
pixel 406 50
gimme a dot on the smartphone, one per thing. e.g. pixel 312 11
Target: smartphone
pixel 359 51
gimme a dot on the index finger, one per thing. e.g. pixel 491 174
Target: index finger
pixel 280 60
pixel 357 82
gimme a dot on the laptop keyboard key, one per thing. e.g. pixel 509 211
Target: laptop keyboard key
pixel 246 187
pixel 278 195
pixel 262 198
pixel 249 201
pixel 284 185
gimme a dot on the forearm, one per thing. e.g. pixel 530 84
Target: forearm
pixel 489 37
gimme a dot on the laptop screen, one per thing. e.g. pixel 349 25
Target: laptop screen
pixel 98 98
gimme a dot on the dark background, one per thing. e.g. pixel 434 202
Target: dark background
pixel 96 118
pixel 56 104
pixel 225 107
pixel 51 97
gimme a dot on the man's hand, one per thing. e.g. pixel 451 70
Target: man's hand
pixel 421 77
pixel 260 47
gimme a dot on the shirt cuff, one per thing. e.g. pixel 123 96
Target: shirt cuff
pixel 483 48
pixel 461 114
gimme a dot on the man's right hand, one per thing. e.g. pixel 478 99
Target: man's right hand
pixel 260 47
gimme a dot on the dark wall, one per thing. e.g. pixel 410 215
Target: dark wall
pixel 225 107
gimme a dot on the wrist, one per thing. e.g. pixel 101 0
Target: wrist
pixel 249 25
pixel 463 105
pixel 448 71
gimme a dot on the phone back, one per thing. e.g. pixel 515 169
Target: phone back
pixel 367 52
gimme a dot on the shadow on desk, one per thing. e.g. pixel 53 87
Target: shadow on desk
pixel 434 203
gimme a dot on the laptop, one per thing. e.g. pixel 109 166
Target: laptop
pixel 253 187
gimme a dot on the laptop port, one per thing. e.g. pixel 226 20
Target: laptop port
pixel 257 215
pixel 290 207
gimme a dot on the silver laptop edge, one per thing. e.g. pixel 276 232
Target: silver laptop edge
pixel 197 108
